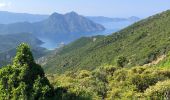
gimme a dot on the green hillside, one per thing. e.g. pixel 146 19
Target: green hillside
pixel 9 42
pixel 97 68
pixel 140 44
pixel 7 56
pixel 111 83
pixel 26 80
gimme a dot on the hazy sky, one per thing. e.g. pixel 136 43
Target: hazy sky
pixel 110 8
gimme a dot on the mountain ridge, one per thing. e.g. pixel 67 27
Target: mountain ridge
pixel 57 27
pixel 102 19
pixel 13 17
pixel 139 44
pixel 8 44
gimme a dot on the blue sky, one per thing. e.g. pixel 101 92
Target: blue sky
pixel 110 8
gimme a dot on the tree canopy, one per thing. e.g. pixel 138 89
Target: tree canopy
pixel 24 79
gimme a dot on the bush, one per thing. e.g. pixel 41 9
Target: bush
pixel 160 91
pixel 24 79
pixel 122 61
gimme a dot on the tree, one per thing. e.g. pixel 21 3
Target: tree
pixel 122 61
pixel 24 79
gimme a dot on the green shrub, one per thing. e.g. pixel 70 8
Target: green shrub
pixel 160 91
pixel 24 79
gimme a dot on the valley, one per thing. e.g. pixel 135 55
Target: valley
pixel 139 43
pixel 12 34
pixel 77 50
pixel 34 23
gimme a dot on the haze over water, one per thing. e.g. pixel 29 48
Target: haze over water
pixel 111 27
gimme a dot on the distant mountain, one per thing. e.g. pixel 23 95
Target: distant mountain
pixel 10 17
pixel 134 19
pixel 143 43
pixel 8 44
pixel 12 40
pixel 70 24
pixel 114 24
pixel 102 19
pixel 58 27
pixel 7 56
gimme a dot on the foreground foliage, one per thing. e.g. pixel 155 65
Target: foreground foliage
pixel 82 79
pixel 24 79
pixel 116 83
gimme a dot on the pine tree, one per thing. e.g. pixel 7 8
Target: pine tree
pixel 24 79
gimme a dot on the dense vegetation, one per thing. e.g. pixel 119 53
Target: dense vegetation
pixel 115 83
pixel 135 63
pixel 128 65
pixel 141 43
pixel 7 56
pixel 24 79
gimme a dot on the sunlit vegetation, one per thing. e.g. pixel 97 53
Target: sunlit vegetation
pixel 24 79
pixel 133 64
pixel 116 83
pixel 141 43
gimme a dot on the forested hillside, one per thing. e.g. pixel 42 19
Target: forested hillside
pixel 127 65
pixel 115 83
pixel 130 64
pixel 24 79
pixel 8 44
pixel 138 44
pixel 96 51
pixel 13 40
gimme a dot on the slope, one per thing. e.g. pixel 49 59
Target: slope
pixel 57 27
pixel 8 44
pixel 140 43
pixel 12 40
